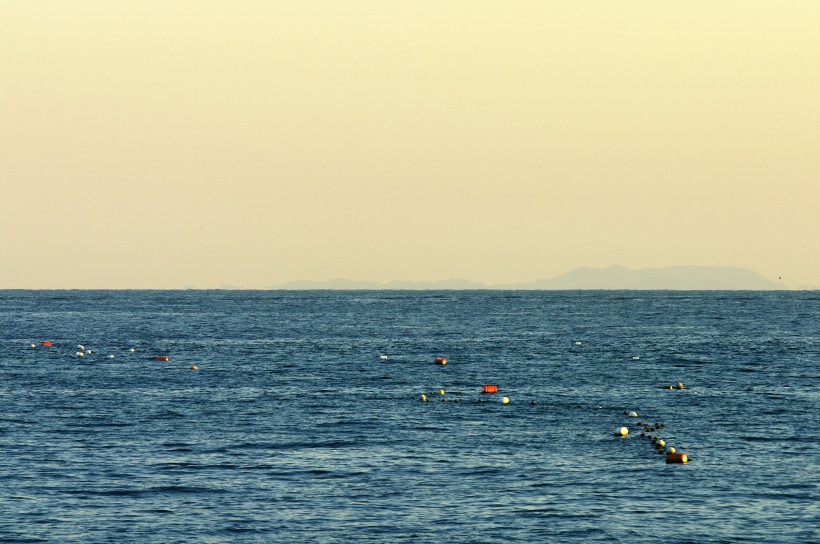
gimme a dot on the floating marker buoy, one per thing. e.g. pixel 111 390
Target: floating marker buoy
pixel 383 357
pixel 579 343
pixel 633 414
pixel 441 360
pixel 110 356
pixel 441 391
pixel 680 386
pixel 672 450
pixel 80 354
pixel 636 358
pixel 677 458
pixel 88 351
pixel 505 400
pixel 132 350
pixel 161 358
pixel 661 444
pixel 80 347
pixel 668 387
pixel 423 397
pixel 46 344
pixel 490 389
pixel 34 345
pixel 194 367
pixel 623 431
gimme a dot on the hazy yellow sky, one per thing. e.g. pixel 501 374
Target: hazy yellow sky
pixel 170 144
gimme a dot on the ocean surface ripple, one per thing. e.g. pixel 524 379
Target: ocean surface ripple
pixel 295 428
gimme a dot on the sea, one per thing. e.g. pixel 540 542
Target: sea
pixel 298 416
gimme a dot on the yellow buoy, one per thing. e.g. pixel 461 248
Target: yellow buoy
pixel 423 397
pixel 680 386
pixel 623 431
pixel 672 450
pixel 441 391
pixel 505 400
pixel 194 367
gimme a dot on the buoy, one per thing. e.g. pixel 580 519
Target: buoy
pixel 633 414
pixel 623 431
pixel 194 367
pixel 80 354
pixel 441 391
pixel 680 386
pixel 668 387
pixel 161 358
pixel 491 389
pixel 132 350
pixel 636 358
pixel 661 444
pixel 672 450
pixel 110 356
pixel 579 343
pixel 505 400
pixel 46 344
pixel 88 351
pixel 383 357
pixel 423 397
pixel 677 458
pixel 34 345
pixel 441 360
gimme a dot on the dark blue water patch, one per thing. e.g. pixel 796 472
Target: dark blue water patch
pixel 294 426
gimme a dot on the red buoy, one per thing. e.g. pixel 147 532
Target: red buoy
pixel 161 358
pixel 441 360
pixel 677 458
pixel 46 344
pixel 491 389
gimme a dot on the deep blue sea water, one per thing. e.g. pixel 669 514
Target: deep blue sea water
pixel 295 430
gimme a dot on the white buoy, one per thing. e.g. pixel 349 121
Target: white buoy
pixel 383 357
pixel 636 358
pixel 110 356
pixel 633 414
pixel 132 350
pixel 80 354
pixel 579 343
pixel 88 351
pixel 623 431
pixel 80 347
pixel 34 345
pixel 505 400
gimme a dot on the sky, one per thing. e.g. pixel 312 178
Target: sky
pixel 200 144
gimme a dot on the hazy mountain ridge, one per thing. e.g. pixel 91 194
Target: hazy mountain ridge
pixel 615 277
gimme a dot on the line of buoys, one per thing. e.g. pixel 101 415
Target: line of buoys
pixel 441 360
pixel 679 386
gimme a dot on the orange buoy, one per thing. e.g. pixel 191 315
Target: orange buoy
pixel 46 344
pixel 161 358
pixel 441 360
pixel 491 389
pixel 677 458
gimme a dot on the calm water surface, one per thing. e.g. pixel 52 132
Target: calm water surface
pixel 294 430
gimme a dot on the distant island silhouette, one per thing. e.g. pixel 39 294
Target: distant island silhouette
pixel 615 277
